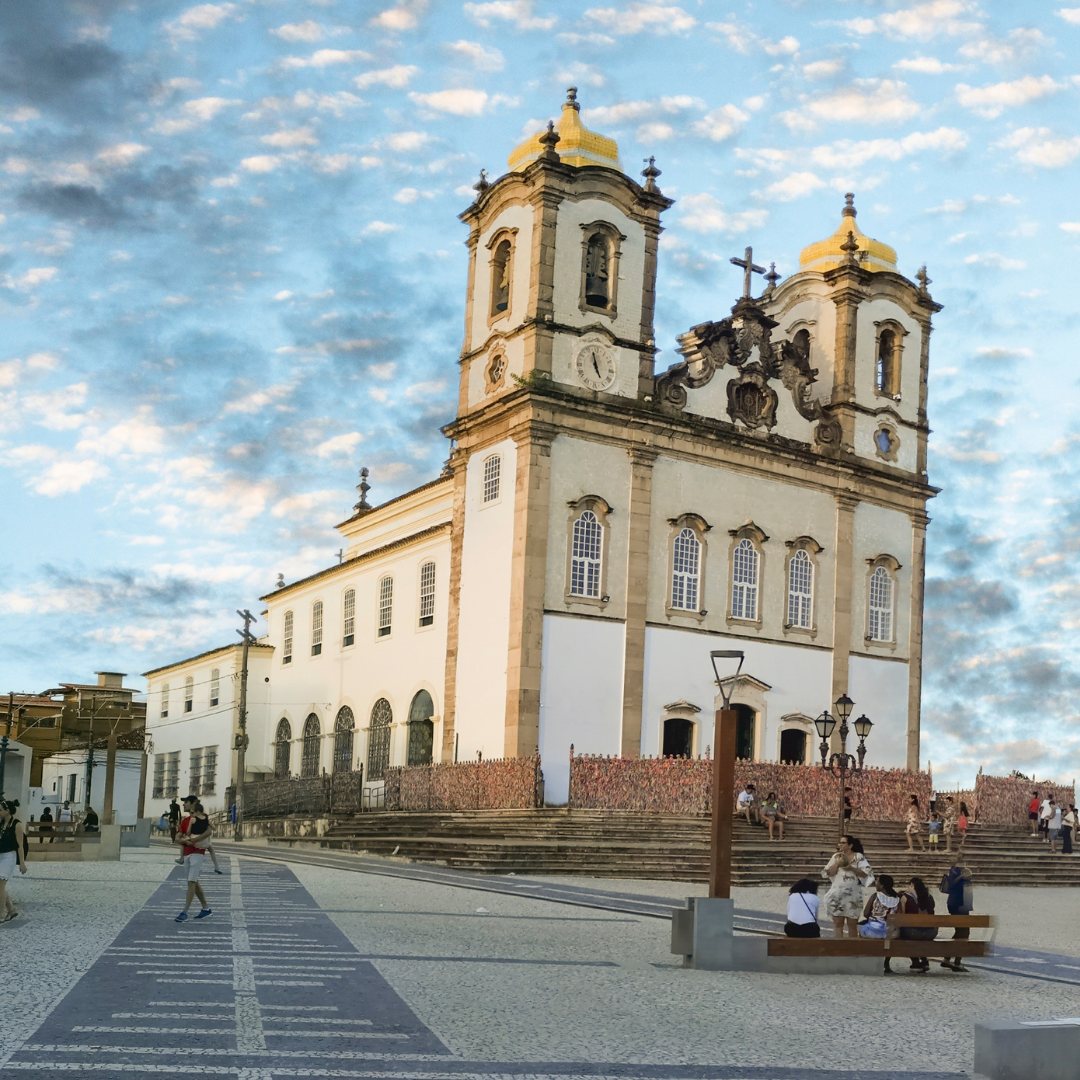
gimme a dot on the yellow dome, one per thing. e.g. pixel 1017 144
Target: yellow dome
pixel 830 253
pixel 577 144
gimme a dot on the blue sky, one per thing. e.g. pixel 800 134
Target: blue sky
pixel 231 273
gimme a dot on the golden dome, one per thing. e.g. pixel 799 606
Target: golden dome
pixel 577 144
pixel 830 253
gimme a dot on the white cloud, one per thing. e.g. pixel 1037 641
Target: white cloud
pixel 261 163
pixel 382 371
pixel 305 31
pixel 995 261
pixel 924 65
pixel 37 275
pixel 198 19
pixel 461 102
pixel 120 155
pixel 399 18
pixel 304 504
pixel 1070 226
pixel 283 294
pixel 1041 148
pixel 1020 45
pixel 1070 15
pixel 630 111
pixel 794 186
pixel 406 142
pixel 721 124
pixel 636 18
pixel 257 401
pixel 991 101
pixel 339 445
pixel 938 17
pixel 518 12
pixel 67 477
pixel 406 195
pixel 823 69
pixel 137 435
pixel 477 56
pixel 396 77
pixel 290 138
pixel 42 361
pixel 193 112
pixel 324 58
pixel 379 228
pixel 702 213
pixel 421 391
pixel 865 101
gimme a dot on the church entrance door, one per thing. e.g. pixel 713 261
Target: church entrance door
pixel 678 737
pixel 745 722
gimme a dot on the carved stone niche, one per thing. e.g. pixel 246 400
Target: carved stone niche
pixel 752 401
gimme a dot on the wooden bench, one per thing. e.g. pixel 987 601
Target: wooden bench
pixel 56 830
pixel 896 946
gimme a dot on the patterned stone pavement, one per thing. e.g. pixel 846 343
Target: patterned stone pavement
pixel 269 987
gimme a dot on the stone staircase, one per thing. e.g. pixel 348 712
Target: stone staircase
pixel 604 843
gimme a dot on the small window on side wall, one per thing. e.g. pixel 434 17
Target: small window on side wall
pixel 348 619
pixel 890 348
pixel 601 244
pixel 492 473
pixel 287 638
pixel 386 606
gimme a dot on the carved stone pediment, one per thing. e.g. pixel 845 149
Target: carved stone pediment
pixel 751 400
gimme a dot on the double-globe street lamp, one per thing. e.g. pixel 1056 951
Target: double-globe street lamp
pixel 840 762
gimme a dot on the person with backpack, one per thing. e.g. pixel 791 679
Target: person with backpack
pixel 956 884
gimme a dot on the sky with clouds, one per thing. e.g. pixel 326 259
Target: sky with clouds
pixel 231 273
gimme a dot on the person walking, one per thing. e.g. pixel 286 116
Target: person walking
pixel 12 855
pixel 1068 830
pixel 174 820
pixel 948 823
pixel 963 821
pixel 1033 814
pixel 45 825
pixel 918 901
pixel 1054 826
pixel 193 836
pixel 849 871
pixel 913 827
pixel 956 884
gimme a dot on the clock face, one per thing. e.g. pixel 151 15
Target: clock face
pixel 596 367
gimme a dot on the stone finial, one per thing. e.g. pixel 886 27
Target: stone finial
pixel 924 281
pixel 280 582
pixel 650 172
pixel 549 140
pixel 771 278
pixel 482 184
pixel 850 246
pixel 849 205
pixel 571 98
pixel 363 487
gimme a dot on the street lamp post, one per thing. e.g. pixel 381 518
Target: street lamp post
pixel 723 779
pixel 840 762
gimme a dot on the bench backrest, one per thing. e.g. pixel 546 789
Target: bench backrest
pixel 971 921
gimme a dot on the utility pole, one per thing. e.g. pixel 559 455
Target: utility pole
pixel 242 739
pixel 6 736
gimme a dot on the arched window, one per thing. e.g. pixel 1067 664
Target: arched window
pixel 793 746
pixel 678 737
pixel 421 729
pixel 801 341
pixel 600 246
pixel 343 739
pixel 585 555
pixel 879 625
pixel 744 581
pixel 286 638
pixel 492 469
pixel 500 277
pixel 215 686
pixel 686 570
pixel 800 603
pixel 348 617
pixel 386 606
pixel 427 594
pixel 890 345
pixel 316 627
pixel 309 758
pixel 189 693
pixel 282 748
pixel 378 754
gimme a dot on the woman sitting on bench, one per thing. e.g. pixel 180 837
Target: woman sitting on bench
pixel 802 909
pixel 879 907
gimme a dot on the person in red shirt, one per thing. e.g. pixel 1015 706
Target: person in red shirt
pixel 193 836
pixel 1033 813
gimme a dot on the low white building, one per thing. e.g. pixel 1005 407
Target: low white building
pixel 193 722
pixel 64 777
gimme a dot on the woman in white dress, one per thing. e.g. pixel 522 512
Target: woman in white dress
pixel 849 871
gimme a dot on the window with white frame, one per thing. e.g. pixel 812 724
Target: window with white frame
pixel 316 627
pixel 880 607
pixel 586 553
pixel 189 693
pixel 171 783
pixel 287 638
pixel 800 605
pixel 686 571
pixel 164 700
pixel 215 686
pixel 744 581
pixel 158 788
pixel 209 770
pixel 386 605
pixel 427 594
pixel 195 763
pixel 492 471
pixel 348 619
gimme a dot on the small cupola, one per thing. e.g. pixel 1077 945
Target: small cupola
pixel 832 252
pixel 577 145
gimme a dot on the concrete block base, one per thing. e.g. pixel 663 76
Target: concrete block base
pixel 1038 1050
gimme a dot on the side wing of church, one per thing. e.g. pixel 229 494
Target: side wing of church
pixel 600 526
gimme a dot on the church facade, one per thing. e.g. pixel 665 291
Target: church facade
pixel 601 526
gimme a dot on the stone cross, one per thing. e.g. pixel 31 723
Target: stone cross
pixel 749 267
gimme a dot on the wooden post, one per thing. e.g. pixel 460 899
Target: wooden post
pixel 110 778
pixel 723 794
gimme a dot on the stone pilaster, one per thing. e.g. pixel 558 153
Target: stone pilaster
pixel 915 643
pixel 844 590
pixel 453 614
pixel 639 518
pixel 647 358
pixel 848 293
pixel 528 572
pixel 541 309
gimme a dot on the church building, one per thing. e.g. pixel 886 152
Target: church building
pixel 600 526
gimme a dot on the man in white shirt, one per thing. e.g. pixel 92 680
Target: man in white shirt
pixel 747 805
pixel 1053 825
pixel 1046 811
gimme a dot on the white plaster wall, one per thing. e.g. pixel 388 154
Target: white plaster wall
pixel 395 667
pixel 579 468
pixel 580 695
pixel 879 688
pixel 880 531
pixel 399 519
pixel 484 622
pixel 56 769
pixel 568 239
pixel 510 217
pixel 677 667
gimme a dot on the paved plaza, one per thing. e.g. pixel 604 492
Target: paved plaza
pixel 389 970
